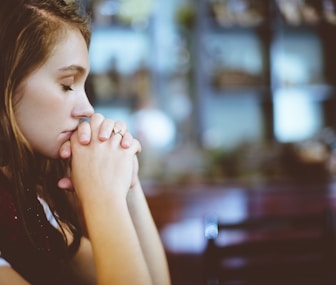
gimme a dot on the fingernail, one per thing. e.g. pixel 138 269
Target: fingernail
pixel 84 138
pixel 104 135
pixel 127 142
pixel 64 153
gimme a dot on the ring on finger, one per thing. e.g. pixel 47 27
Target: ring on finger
pixel 118 131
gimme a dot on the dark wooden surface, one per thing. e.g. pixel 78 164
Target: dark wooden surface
pixel 179 213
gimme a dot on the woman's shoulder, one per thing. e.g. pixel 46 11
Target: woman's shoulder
pixel 9 276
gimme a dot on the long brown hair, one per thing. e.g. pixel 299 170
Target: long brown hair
pixel 29 30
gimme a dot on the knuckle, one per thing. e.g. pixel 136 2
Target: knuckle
pixel 110 121
pixel 121 124
pixel 83 127
pixel 97 118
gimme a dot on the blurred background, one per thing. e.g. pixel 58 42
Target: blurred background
pixel 219 90
pixel 229 98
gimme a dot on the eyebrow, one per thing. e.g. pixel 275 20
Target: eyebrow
pixel 73 67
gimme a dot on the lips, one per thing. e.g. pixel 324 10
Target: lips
pixel 71 130
pixel 68 134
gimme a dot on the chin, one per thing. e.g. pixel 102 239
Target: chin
pixel 51 154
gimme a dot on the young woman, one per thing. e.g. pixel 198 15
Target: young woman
pixel 72 210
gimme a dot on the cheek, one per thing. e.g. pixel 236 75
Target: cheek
pixel 35 118
pixel 41 112
pixel 28 114
pixel 38 102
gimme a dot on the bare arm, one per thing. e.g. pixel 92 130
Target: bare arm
pixel 148 236
pixel 82 266
pixel 151 246
pixel 101 174
pixel 8 276
pixel 141 228
pixel 117 252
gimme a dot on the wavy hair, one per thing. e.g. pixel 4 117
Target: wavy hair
pixel 29 31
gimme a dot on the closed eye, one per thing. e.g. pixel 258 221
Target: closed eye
pixel 67 88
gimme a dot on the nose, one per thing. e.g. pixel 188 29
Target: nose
pixel 83 108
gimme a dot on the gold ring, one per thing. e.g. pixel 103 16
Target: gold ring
pixel 117 131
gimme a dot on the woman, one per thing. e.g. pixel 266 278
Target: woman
pixel 95 226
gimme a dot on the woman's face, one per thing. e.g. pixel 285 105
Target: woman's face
pixel 51 101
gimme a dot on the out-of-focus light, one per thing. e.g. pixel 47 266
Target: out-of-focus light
pixel 109 8
pixel 296 117
pixel 155 128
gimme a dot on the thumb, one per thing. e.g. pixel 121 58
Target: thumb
pixel 65 183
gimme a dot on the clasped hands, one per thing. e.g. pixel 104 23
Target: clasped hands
pixel 95 132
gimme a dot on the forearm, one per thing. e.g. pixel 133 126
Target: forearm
pixel 125 243
pixel 117 253
pixel 148 236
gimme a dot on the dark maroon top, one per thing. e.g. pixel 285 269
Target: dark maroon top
pixel 42 261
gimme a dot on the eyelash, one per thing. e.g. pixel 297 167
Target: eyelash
pixel 67 88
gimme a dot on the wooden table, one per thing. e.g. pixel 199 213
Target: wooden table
pixel 179 213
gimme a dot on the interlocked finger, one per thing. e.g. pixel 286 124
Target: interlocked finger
pixel 117 131
pixel 95 123
pixel 120 128
pixel 106 129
